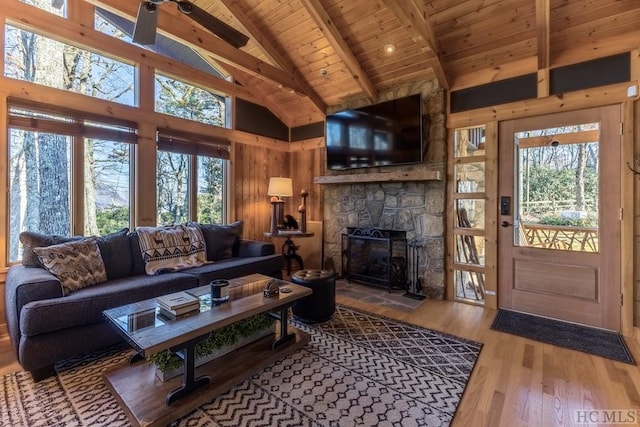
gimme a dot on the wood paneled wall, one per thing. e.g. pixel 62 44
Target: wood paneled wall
pixel 304 166
pixel 251 168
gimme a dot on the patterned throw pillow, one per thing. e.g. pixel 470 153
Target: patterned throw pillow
pixel 171 248
pixel 77 264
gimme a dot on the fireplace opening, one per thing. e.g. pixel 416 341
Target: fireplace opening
pixel 375 257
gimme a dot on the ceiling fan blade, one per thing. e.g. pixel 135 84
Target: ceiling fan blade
pixel 227 33
pixel 144 31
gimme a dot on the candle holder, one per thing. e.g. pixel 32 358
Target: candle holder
pixel 302 209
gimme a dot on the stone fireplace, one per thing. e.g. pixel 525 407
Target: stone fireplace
pixel 416 207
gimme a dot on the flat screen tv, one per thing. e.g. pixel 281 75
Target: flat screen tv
pixel 385 134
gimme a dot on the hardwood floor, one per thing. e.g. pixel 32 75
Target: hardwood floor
pixel 519 382
pixel 516 382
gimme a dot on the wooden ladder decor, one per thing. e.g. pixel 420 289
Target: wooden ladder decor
pixel 470 253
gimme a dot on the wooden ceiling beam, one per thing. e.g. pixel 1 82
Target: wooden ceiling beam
pixel 342 49
pixel 413 16
pixel 178 26
pixel 543 13
pixel 274 55
pixel 257 35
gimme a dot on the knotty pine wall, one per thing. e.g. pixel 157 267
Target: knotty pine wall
pixel 251 168
pixel 304 166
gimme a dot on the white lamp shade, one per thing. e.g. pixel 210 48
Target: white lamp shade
pixel 281 187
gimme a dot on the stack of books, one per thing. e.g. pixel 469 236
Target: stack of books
pixel 177 304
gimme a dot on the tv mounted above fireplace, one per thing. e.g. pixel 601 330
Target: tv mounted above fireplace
pixel 384 134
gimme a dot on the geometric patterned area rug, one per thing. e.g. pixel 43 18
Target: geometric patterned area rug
pixel 594 341
pixel 358 369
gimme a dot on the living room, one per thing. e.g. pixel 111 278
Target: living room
pixel 270 122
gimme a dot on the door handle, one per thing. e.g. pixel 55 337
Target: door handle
pixel 505 224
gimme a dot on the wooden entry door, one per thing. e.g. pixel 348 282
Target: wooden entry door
pixel 559 216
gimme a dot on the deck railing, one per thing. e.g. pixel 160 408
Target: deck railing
pixel 567 238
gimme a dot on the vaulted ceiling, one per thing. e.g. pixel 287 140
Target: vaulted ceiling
pixel 306 55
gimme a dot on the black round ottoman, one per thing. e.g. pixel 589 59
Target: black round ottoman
pixel 320 305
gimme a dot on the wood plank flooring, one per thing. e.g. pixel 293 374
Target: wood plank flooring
pixel 516 382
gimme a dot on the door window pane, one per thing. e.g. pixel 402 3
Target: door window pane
pixel 470 177
pixel 469 249
pixel 558 188
pixel 470 213
pixel 469 285
pixel 172 178
pixel 469 142
pixel 39 185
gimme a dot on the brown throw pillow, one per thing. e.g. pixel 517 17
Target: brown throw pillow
pixel 223 241
pixel 30 240
pixel 76 264
pixel 116 254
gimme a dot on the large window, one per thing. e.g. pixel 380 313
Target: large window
pixel 181 99
pixel 38 59
pixel 190 178
pixel 172 177
pixel 47 192
pixel 108 172
pixel 57 7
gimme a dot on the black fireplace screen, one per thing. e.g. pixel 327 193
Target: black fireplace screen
pixel 375 257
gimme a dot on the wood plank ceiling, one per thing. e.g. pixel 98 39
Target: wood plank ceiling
pixel 305 55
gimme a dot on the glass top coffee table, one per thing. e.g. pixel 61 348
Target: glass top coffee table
pixel 149 332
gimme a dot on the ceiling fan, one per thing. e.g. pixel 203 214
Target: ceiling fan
pixel 147 19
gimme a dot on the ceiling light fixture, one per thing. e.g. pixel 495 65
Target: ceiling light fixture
pixel 389 48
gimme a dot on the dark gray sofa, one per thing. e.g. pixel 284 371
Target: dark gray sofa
pixel 46 326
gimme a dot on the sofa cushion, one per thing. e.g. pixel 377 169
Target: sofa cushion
pixel 30 240
pixel 85 306
pixel 137 262
pixel 270 265
pixel 171 248
pixel 249 248
pixel 223 241
pixel 76 264
pixel 116 254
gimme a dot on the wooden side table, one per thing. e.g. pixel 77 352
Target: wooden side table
pixel 289 248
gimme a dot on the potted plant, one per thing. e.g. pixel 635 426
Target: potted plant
pixel 218 343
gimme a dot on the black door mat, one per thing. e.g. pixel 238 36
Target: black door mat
pixel 564 334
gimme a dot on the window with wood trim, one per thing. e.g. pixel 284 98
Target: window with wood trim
pixel 69 173
pixel 191 178
pixel 181 99
pixel 38 59
pixel 57 7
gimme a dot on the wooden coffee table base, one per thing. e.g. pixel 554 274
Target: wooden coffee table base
pixel 142 395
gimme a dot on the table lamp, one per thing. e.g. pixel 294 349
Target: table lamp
pixel 278 187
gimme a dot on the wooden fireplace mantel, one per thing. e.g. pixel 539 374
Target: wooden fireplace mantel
pixel 426 175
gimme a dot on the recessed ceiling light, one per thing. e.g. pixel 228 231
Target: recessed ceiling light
pixel 389 48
